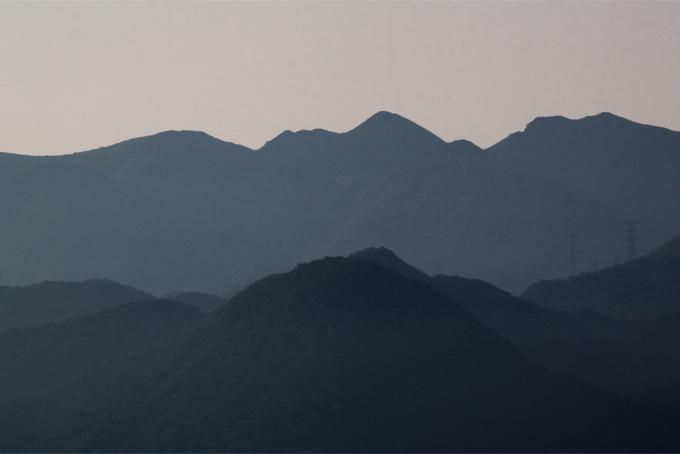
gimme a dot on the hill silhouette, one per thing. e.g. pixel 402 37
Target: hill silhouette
pixel 45 302
pixel 53 370
pixel 605 156
pixel 644 288
pixel 623 356
pixel 347 355
pixel 183 211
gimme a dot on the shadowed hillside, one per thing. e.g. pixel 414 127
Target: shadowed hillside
pixel 623 355
pixel 51 371
pixel 54 301
pixel 644 288
pixel 346 355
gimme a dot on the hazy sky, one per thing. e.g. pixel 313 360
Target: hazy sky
pixel 77 75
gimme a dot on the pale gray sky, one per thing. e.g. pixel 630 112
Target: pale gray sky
pixel 77 75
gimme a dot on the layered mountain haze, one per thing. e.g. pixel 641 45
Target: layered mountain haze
pixel 626 356
pixel 203 249
pixel 52 372
pixel 365 353
pixel 347 355
pixel 183 211
pixel 645 288
pixel 47 302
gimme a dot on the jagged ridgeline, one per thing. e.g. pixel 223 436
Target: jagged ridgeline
pixel 183 211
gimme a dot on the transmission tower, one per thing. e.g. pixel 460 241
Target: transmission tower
pixel 573 256
pixel 631 239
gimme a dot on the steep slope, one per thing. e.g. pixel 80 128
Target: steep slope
pixel 53 370
pixel 625 356
pixel 346 355
pixel 54 301
pixel 644 288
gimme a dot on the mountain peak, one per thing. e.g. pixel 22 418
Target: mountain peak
pixel 384 115
pixel 186 136
pixel 181 133
pixel 389 259
pixel 384 118
pixel 298 138
pixel 168 141
pixel 606 119
pixel 547 121
pixel 386 124
pixel 605 116
pixel 465 145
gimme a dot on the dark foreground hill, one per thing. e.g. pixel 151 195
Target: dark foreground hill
pixel 183 211
pixel 347 355
pixel 644 288
pixel 55 301
pixel 623 355
pixel 49 372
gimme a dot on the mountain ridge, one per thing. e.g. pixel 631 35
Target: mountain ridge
pixel 344 354
pixel 197 209
pixel 589 346
pixel 52 301
pixel 645 288
pixel 380 119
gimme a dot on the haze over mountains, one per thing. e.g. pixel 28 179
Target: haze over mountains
pixel 647 288
pixel 622 355
pixel 356 354
pixel 339 354
pixel 54 371
pixel 47 302
pixel 183 211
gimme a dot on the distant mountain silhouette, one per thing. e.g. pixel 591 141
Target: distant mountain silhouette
pixel 644 288
pixel 621 163
pixel 624 356
pixel 52 370
pixel 183 211
pixel 55 301
pixel 347 355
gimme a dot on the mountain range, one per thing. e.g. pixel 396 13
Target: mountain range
pixel 365 353
pixel 183 211
pixel 627 356
pixel 348 355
